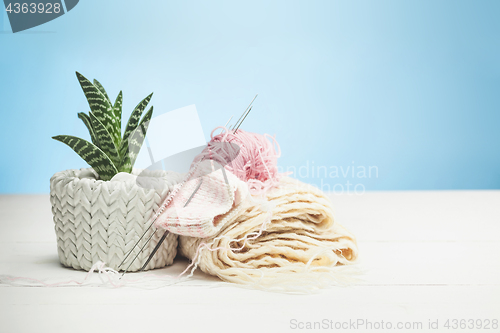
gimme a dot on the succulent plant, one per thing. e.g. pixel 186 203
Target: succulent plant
pixel 109 152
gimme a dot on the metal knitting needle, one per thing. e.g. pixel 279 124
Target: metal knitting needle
pixel 142 248
pixel 165 234
pixel 196 190
pixel 243 119
pixel 159 242
pixel 249 105
pixel 244 112
pixel 132 250
pixel 166 231
pixel 152 222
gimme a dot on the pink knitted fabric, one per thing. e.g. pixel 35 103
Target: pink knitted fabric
pixel 213 205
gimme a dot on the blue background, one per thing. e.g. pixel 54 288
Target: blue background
pixel 411 87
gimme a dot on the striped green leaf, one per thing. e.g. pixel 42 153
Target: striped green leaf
pixel 101 107
pixel 134 142
pixel 94 156
pixel 135 117
pixel 86 120
pixel 117 110
pixel 99 86
pixel 105 141
pixel 117 107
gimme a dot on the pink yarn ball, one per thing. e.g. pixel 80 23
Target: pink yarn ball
pixel 251 157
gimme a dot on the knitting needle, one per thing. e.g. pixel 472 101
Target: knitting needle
pixel 142 248
pixel 161 239
pixel 154 219
pixel 243 119
pixel 165 234
pixel 196 190
pixel 249 105
pixel 244 112
pixel 130 252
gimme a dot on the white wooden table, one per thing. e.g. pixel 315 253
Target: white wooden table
pixel 427 256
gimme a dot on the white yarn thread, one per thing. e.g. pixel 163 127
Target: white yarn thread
pixel 107 276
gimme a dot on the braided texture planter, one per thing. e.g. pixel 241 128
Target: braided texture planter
pixel 102 220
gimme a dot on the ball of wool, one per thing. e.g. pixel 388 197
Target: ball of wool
pixel 251 157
